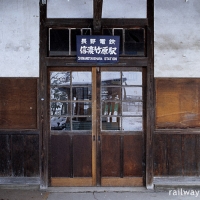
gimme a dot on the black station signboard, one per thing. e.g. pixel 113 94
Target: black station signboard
pixel 101 49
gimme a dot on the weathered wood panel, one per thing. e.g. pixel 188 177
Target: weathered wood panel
pixel 177 103
pixel 17 155
pixel 176 154
pixel 5 164
pixel 110 156
pixel 82 155
pixel 160 155
pixel 189 152
pixel 18 105
pixel 60 156
pixel 31 156
pixel 133 155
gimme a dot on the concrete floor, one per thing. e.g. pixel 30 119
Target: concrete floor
pixel 95 194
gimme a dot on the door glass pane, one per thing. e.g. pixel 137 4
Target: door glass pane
pixel 110 78
pixel 82 78
pixel 132 78
pixel 132 108
pixel 70 100
pixel 132 93
pixel 122 101
pixel 132 124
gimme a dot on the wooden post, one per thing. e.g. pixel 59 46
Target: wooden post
pixel 43 100
pixel 97 13
pixel 150 95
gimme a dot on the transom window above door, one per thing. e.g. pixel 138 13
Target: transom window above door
pixel 62 42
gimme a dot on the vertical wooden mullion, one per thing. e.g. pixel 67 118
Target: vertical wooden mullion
pixel 150 95
pixel 94 126
pixel 98 114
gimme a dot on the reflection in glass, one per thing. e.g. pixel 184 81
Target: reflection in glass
pixel 82 93
pixel 111 93
pixel 60 108
pixel 82 124
pixel 110 78
pixel 82 108
pixel 81 78
pixel 132 108
pixel 70 100
pixel 134 42
pixel 132 78
pixel 60 93
pixel 132 124
pixel 60 78
pixel 132 93
pixel 58 123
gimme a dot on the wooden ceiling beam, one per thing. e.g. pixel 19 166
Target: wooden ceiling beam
pixel 97 15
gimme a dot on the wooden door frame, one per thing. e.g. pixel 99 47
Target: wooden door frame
pixel 46 61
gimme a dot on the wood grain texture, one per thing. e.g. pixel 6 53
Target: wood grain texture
pixel 60 156
pixel 133 155
pixel 177 103
pixel 18 105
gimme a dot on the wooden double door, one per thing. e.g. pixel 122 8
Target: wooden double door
pixel 97 126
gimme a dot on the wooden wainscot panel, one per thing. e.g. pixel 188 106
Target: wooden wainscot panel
pixel 177 103
pixel 176 154
pixel 82 156
pixel 60 156
pixel 19 155
pixel 5 164
pixel 110 157
pixel 133 160
pixel 18 105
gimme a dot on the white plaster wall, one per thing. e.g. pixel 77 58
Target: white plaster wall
pixel 19 38
pixel 84 9
pixel 177 38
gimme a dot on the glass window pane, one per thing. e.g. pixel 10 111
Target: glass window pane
pixel 86 31
pixel 132 124
pixel 82 124
pixel 60 78
pixel 82 108
pixel 110 78
pixel 111 125
pixel 111 93
pixel 60 93
pixel 82 93
pixel 132 78
pixel 70 9
pixel 124 9
pixel 134 42
pixel 58 123
pixel 132 108
pixel 60 108
pixel 132 93
pixel 81 78
pixel 59 42
pixel 107 31
pixel 111 108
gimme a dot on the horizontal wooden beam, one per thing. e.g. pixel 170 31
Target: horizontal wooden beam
pixel 177 131
pixel 71 61
pixel 88 23
pixel 19 132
